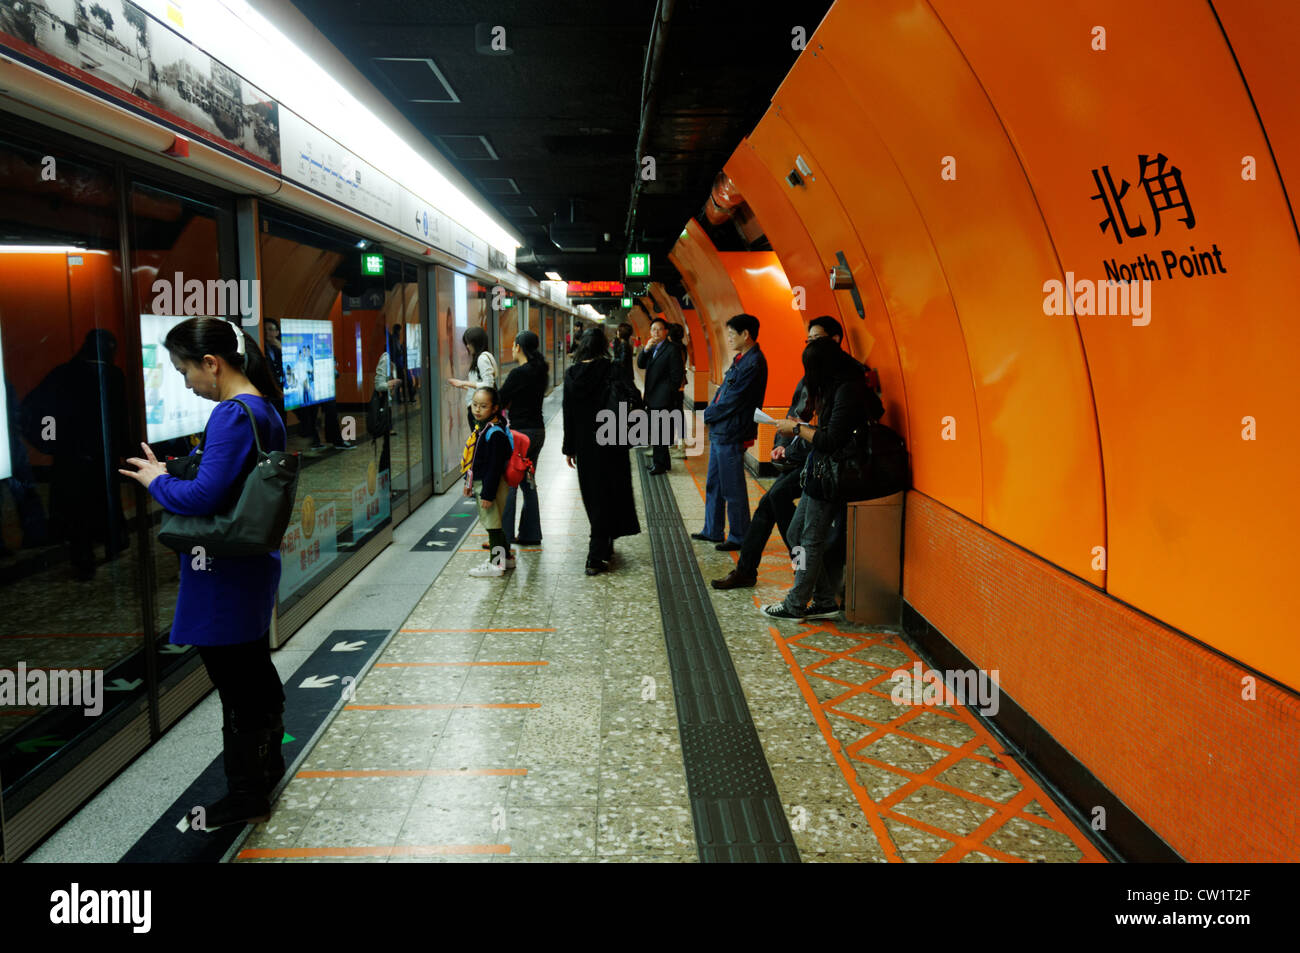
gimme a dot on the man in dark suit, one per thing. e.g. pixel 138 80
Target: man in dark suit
pixel 661 360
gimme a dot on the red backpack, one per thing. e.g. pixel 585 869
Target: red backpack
pixel 518 466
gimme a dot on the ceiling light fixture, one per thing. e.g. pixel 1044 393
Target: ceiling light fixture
pixel 554 276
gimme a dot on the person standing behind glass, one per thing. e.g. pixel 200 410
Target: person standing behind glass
pixel 224 604
pixel 604 470
pixel 623 352
pixel 386 383
pixel 482 368
pixel 522 395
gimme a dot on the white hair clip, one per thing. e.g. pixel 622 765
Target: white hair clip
pixel 239 339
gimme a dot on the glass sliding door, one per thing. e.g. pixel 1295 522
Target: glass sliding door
pixel 326 325
pixel 72 628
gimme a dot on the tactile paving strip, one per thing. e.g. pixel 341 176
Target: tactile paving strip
pixel 734 802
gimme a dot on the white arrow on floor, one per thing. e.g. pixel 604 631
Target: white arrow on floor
pixel 448 529
pixel 170 649
pixel 347 646
pixel 122 685
pixel 318 681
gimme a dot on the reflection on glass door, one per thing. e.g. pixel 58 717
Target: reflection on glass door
pixel 176 241
pixel 325 325
pixel 72 623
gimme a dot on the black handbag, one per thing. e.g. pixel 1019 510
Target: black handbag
pixel 622 391
pixel 379 414
pixel 255 523
pixel 871 465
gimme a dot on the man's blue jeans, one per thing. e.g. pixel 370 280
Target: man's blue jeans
pixel 725 493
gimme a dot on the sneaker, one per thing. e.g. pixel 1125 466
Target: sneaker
pixel 818 610
pixel 777 610
pixel 488 569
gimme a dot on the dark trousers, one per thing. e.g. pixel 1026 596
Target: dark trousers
pixel 776 508
pixel 245 679
pixel 662 441
pixel 530 524
pixel 726 499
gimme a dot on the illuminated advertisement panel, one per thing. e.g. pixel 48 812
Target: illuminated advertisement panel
pixel 307 355
pixel 171 409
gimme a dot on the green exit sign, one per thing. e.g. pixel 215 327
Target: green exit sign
pixel 627 302
pixel 638 266
pixel 507 302
pixel 372 264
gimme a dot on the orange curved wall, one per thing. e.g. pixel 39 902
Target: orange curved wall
pixel 1094 454
pixel 697 341
pixel 724 284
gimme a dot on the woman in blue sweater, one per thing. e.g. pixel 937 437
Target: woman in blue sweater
pixel 225 603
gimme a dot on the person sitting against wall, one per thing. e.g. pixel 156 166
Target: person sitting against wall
pixel 777 506
pixel 224 605
pixel 839 395
pixel 482 368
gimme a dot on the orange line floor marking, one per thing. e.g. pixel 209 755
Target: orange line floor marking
pixel 422 773
pixel 442 706
pixel 847 755
pixel 423 850
pixel 425 631
pixel 442 664
pixel 75 635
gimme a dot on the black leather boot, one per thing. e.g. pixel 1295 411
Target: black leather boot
pixel 273 766
pixel 244 756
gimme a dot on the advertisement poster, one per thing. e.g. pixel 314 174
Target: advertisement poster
pixel 171 409
pixel 370 502
pixel 310 543
pixel 413 346
pixel 307 355
pixel 6 464
pixel 131 56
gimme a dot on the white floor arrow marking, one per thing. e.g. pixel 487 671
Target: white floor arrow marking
pixel 318 681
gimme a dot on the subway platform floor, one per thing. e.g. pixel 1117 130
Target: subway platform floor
pixel 533 718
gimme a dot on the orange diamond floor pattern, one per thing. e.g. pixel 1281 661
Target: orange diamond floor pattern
pixel 925 776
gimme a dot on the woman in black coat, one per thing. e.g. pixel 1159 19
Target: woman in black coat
pixel 622 352
pixel 604 470
pixel 522 395
pixel 837 385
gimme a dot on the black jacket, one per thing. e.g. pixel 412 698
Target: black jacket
pixel 848 405
pixel 522 395
pixel 491 454
pixel 621 355
pixel 664 373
